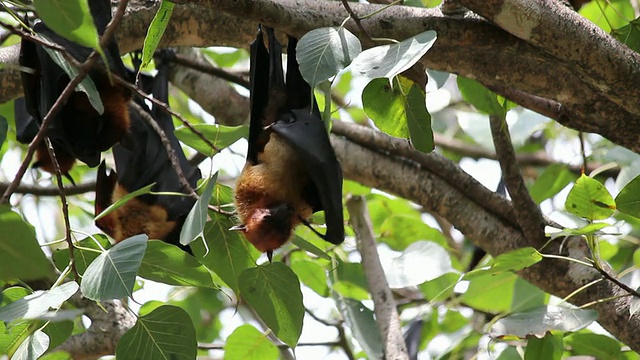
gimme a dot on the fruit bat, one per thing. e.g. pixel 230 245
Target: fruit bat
pixel 78 130
pixel 142 159
pixel 291 169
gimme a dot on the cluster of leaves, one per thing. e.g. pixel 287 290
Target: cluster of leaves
pixel 443 301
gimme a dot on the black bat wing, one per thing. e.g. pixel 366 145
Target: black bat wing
pixel 69 130
pixel 305 131
pixel 307 134
pixel 141 157
pixel 259 90
pixel 26 125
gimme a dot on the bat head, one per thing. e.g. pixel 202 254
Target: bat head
pixel 271 227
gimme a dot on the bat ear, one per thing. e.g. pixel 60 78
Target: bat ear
pixel 242 227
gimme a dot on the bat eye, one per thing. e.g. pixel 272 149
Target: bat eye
pixel 288 119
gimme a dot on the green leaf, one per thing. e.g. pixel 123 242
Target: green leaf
pixel 194 224
pixel 38 304
pixel 408 269
pixel 628 200
pixel 70 19
pixel 419 120
pixel 273 291
pixel 232 255
pixel 123 200
pixel 20 254
pixel 401 230
pixel 14 336
pixel 156 30
pixel 247 343
pixel 165 333
pixel 34 346
pixel 219 135
pixel 168 264
pixel 309 247
pixel 589 199
pixel 225 58
pixel 481 294
pixel 322 53
pixel 553 179
pixel 527 296
pixel 480 97
pixel 312 275
pixel 203 306
pixel 349 281
pixel 608 14
pixel 87 85
pixel 549 347
pixel 399 115
pixel 629 35
pixel 589 229
pixel 440 288
pixel 58 332
pixel 387 61
pixel 510 261
pixel 539 320
pixel 599 346
pixel 362 324
pixel 83 258
pixel 222 195
pixel 112 274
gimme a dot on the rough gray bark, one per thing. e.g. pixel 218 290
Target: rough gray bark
pixel 390 171
pixel 471 47
pixel 537 60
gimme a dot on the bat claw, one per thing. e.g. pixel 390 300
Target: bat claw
pixel 270 256
pixel 241 227
pixel 307 224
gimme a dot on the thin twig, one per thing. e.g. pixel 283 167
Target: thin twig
pixel 65 208
pixel 164 108
pixel 62 99
pixel 171 152
pixel 608 276
pixel 207 346
pixel 183 60
pixel 50 190
pixel 321 320
pixel 583 153
pixel 342 336
pixel 526 210
pixel 356 19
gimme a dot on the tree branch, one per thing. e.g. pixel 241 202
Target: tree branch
pixel 385 309
pixel 527 212
pixel 107 327
pixel 467 46
pixel 398 174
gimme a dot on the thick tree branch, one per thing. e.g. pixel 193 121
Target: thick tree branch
pixel 470 47
pixel 579 44
pixel 105 331
pixel 435 192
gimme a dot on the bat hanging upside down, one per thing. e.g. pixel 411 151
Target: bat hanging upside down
pixel 78 130
pixel 141 159
pixel 291 170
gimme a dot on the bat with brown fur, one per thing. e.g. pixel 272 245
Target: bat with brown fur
pixel 78 130
pixel 142 159
pixel 291 170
